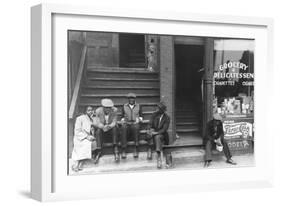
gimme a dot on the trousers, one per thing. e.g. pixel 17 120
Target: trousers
pixel 100 134
pixel 129 129
pixel 210 144
pixel 158 141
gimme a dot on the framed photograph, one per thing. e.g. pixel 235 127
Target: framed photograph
pixel 140 102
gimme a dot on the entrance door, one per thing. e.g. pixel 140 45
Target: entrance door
pixel 132 50
pixel 189 60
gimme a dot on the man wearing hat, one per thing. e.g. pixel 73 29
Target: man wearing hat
pixel 215 137
pixel 107 119
pixel 131 118
pixel 159 125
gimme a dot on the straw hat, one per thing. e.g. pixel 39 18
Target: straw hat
pixel 107 103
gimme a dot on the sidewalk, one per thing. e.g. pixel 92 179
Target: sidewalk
pixel 182 159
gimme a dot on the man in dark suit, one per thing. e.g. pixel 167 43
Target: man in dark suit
pixel 215 137
pixel 106 125
pixel 159 125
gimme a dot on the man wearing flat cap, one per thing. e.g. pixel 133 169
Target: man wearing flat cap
pixel 158 134
pixel 215 138
pixel 107 120
pixel 131 118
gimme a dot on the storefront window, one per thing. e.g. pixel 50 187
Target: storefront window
pixel 233 76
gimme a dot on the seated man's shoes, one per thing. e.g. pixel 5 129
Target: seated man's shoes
pixel 97 158
pixel 149 154
pixel 75 168
pixel 80 166
pixel 159 163
pixel 116 154
pixel 123 155
pixel 136 153
pixel 169 161
pixel 207 163
pixel 116 157
pixel 230 161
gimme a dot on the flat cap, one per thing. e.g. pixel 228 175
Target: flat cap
pixel 131 95
pixel 107 103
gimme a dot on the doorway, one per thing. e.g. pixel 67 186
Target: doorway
pixel 132 50
pixel 188 93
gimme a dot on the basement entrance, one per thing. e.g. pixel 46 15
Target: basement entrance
pixel 188 95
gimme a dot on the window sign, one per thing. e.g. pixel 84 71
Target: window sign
pixel 233 76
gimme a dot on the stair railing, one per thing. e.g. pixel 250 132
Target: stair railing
pixel 77 87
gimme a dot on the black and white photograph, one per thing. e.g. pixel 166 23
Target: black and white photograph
pixel 151 102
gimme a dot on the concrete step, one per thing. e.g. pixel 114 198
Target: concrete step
pixel 136 64
pixel 186 112
pixel 132 165
pixel 186 119
pixel 135 59
pixel 118 98
pixel 187 130
pixel 183 127
pixel 181 157
pixel 136 82
pixel 189 115
pixel 119 72
pixel 89 89
pixel 188 139
pixel 187 123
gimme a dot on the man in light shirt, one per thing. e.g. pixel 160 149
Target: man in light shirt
pixel 131 118
pixel 107 125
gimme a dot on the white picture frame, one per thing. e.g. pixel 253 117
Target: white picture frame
pixel 49 179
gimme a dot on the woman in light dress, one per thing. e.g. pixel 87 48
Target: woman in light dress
pixel 84 138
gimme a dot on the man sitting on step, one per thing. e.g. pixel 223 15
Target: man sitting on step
pixel 107 125
pixel 159 125
pixel 215 137
pixel 131 118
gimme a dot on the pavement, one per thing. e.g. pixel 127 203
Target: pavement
pixel 191 158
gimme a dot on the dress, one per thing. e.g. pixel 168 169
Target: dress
pixel 82 146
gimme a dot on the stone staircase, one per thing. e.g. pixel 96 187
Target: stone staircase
pixel 115 83
pixel 188 126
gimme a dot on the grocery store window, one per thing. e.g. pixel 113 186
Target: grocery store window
pixel 233 76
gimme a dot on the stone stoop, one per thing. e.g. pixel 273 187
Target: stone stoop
pixel 182 158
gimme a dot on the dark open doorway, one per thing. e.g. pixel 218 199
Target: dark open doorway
pixel 132 50
pixel 188 95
